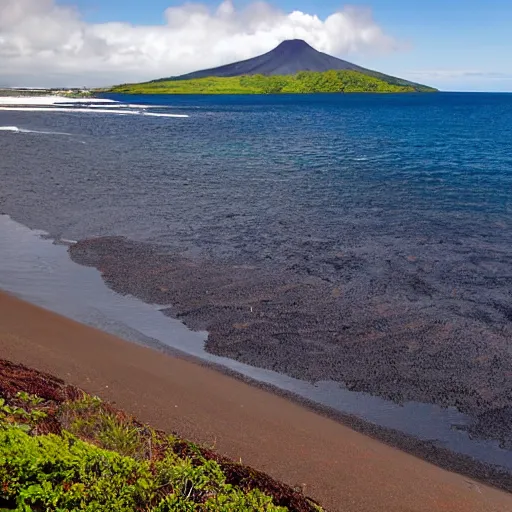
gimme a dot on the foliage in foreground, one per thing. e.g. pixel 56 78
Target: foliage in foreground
pixel 53 472
pixel 305 82
pixel 82 454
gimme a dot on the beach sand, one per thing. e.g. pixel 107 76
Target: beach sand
pixel 343 469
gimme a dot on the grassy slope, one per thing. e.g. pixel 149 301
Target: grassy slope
pixel 61 449
pixel 301 83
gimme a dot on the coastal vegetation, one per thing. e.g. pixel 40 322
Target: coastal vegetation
pixel 62 449
pixel 304 82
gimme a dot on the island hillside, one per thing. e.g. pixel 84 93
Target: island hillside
pixel 293 67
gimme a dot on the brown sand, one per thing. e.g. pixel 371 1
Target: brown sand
pixel 344 470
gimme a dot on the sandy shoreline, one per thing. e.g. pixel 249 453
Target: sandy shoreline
pixel 341 468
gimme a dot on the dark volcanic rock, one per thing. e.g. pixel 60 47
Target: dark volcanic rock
pixel 400 345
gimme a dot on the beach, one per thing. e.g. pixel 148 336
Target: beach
pixel 341 298
pixel 344 470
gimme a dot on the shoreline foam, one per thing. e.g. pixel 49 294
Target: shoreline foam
pixel 63 104
pixel 73 110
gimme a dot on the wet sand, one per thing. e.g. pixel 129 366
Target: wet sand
pixel 343 469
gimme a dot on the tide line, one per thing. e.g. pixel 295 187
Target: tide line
pixel 90 111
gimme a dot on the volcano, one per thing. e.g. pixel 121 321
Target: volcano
pixel 288 58
pixel 293 67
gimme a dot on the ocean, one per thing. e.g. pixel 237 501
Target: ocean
pixel 353 249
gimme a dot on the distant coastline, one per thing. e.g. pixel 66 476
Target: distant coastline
pixel 36 92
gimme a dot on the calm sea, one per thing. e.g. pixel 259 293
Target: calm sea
pixel 396 208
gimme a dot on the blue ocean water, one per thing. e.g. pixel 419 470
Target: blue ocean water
pixel 406 163
pixel 402 204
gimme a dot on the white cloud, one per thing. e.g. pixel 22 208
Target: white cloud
pixel 43 43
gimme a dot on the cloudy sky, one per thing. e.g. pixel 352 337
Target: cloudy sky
pixel 451 44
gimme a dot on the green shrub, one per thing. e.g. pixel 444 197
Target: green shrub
pixel 61 472
pixel 85 455
pixel 119 436
pixel 64 473
pixel 303 82
pixel 26 419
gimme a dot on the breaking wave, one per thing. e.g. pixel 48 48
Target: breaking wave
pixel 15 129
pixel 89 111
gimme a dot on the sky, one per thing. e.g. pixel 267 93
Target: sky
pixel 458 45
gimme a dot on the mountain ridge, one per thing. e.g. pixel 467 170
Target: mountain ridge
pixel 288 58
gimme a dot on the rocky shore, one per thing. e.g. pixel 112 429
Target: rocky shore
pixel 310 329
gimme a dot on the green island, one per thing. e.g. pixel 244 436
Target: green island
pixel 62 449
pixel 304 82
